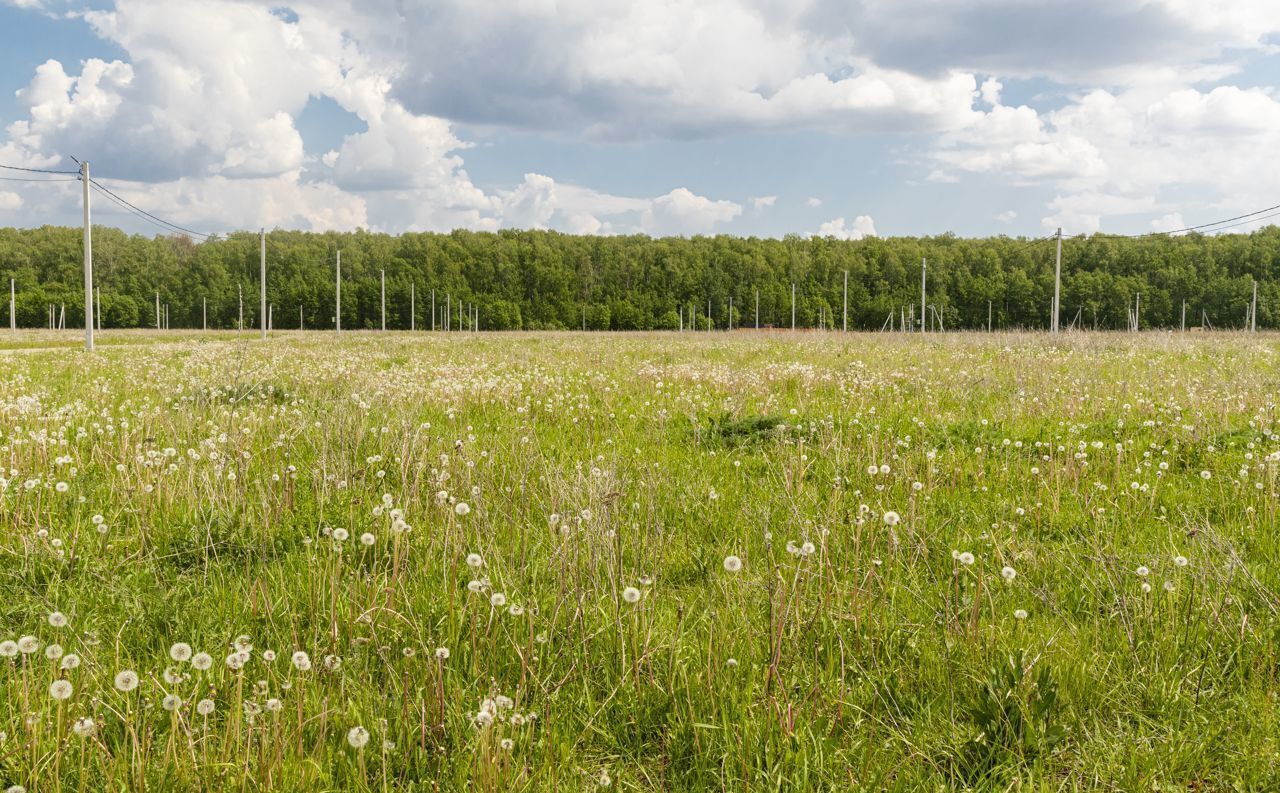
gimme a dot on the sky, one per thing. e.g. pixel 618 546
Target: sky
pixel 841 118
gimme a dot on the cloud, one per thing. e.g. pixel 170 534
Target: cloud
pixel 813 202
pixel 861 227
pixel 683 212
pixel 1007 217
pixel 760 203
pixel 10 201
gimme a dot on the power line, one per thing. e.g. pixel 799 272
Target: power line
pixel 35 181
pixel 1251 217
pixel 159 221
pixel 38 170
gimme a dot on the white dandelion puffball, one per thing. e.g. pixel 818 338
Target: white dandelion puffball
pixel 1020 614
pixel 367 539
pixel 84 727
pixel 461 508
pixel 8 648
pixel 301 661
pixel 58 620
pixel 202 661
pixel 497 600
pixel 1205 475
pixel 474 560
pixel 28 645
pixel 60 690
pixel 442 653
pixel 631 595
pixel 358 737
pixel 70 661
pixel 53 652
pixel 965 558
pixel 1143 571
pixel 340 534
pixel 1008 573
pixel 180 652
pixel 891 518
pixel 171 702
pixel 204 707
pixel 732 564
pixel 1180 561
pixel 126 680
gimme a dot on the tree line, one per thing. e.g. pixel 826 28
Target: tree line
pixel 549 280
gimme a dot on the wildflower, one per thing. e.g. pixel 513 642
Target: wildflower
pixel 891 518
pixel 732 564
pixel 274 705
pixel 1180 561
pixel 60 690
pixel 357 737
pixel 28 645
pixel 180 652
pixel 340 534
pixel 631 595
pixel 1145 587
pixel 53 652
pixel 202 661
pixel 1008 573
pixel 497 600
pixel 8 648
pixel 58 620
pixel 1168 586
pixel 1142 571
pixel 126 680
pixel 474 560
pixel 204 707
pixel 171 702
pixel 367 539
pixel 461 509
pixel 268 655
pixel 1020 614
pixel 332 662
pixel 70 661
pixel 301 661
pixel 965 558
pixel 84 727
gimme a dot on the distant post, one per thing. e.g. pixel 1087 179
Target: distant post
pixel 413 309
pixel 337 299
pixel 263 320
pixel 384 299
pixel 793 305
pixel 845 320
pixel 88 262
pixel 924 263
pixel 1057 283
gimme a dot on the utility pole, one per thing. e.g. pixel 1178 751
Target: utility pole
pixel 708 316
pixel 1057 283
pixel 413 309
pixel 88 262
pixel 433 309
pixel 1184 316
pixel 262 276
pixel 731 312
pixel 239 292
pixel 924 263
pixel 845 321
pixel 1253 312
pixel 158 310
pixel 300 321
pixel 1137 306
pixel 384 300
pixel 448 309
pixel 988 316
pixel 793 305
pixel 97 309
pixel 337 291
pixel 271 316
pixel 13 304
pixel 204 313
pixel 757 309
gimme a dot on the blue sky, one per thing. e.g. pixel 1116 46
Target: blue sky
pixel 750 117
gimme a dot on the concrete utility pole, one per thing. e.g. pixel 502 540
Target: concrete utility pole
pixel 680 317
pixel 1184 317
pixel 845 321
pixel 924 263
pixel 413 309
pixel 262 277
pixel 337 299
pixel 757 309
pixel 384 299
pixel 300 320
pixel 1057 283
pixel 97 308
pixel 708 316
pixel 158 310
pixel 13 303
pixel 793 305
pixel 271 316
pixel 433 309
pixel 731 313
pixel 239 292
pixel 1253 312
pixel 204 313
pixel 448 309
pixel 88 262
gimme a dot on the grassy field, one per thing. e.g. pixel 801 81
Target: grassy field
pixel 640 562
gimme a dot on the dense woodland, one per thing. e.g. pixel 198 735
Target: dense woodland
pixel 544 279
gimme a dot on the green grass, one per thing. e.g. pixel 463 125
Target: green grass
pixel 849 653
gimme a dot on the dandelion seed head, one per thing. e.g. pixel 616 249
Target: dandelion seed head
pixel 732 564
pixel 60 690
pixel 358 737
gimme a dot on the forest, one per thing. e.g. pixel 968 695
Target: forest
pixel 549 280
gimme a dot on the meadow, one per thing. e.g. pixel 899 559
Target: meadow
pixel 643 562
